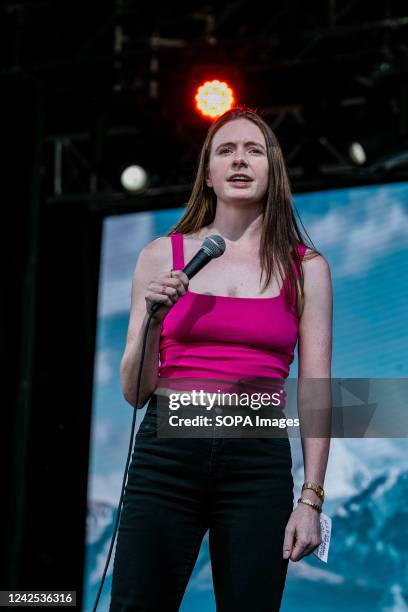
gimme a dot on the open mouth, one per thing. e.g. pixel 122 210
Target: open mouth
pixel 240 180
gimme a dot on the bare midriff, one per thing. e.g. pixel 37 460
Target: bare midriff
pixel 165 391
pixel 223 387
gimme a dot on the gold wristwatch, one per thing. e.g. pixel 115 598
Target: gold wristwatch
pixel 315 487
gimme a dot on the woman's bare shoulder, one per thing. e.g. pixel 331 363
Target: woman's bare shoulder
pixel 157 246
pixel 157 252
pixel 316 269
pixel 314 259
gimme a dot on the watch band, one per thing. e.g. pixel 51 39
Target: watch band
pixel 309 503
pixel 315 487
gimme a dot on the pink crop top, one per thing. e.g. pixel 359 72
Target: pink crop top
pixel 223 339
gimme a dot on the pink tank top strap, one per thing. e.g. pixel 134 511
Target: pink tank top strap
pixel 301 249
pixel 178 252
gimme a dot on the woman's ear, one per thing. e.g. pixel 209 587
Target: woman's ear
pixel 208 178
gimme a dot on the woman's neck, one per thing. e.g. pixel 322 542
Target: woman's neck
pixel 234 225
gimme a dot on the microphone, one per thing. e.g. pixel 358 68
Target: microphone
pixel 212 247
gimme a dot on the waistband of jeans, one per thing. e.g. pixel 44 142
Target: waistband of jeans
pixel 158 408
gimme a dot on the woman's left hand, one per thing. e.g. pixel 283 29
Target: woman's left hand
pixel 302 533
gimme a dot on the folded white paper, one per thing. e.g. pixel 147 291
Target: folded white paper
pixel 325 531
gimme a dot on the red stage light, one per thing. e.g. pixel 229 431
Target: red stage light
pixel 214 98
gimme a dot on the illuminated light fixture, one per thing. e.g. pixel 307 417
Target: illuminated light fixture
pixel 134 178
pixel 214 98
pixel 357 153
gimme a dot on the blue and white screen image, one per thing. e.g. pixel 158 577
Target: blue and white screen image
pixel 363 234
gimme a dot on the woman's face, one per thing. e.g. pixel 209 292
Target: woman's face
pixel 238 147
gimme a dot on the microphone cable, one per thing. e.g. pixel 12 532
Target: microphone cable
pixel 212 247
pixel 139 378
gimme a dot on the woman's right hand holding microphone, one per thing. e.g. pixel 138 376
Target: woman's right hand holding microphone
pixel 166 290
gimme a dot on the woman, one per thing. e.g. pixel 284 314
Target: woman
pixel 222 325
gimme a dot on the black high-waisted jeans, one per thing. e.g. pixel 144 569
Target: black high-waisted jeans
pixel 240 489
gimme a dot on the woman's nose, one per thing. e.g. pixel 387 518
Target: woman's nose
pixel 239 159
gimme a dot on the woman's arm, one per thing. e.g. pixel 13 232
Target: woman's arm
pixel 302 533
pixel 315 351
pixel 152 260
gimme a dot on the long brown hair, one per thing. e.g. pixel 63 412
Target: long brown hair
pixel 280 232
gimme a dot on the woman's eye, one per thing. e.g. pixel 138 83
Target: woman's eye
pixel 250 150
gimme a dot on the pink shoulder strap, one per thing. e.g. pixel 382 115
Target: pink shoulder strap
pixel 178 254
pixel 301 249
